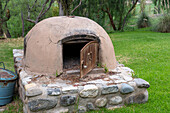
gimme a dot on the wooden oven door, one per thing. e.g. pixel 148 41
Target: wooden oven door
pixel 88 57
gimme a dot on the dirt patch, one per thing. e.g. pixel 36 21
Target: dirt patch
pixel 43 79
pixel 113 73
pixel 5 75
pixel 73 78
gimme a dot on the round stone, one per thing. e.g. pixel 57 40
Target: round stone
pixel 126 88
pixel 101 102
pixel 33 92
pixel 18 59
pixel 42 104
pixel 115 100
pixel 110 89
pixel 141 83
pixel 127 77
pixel 67 100
pixel 133 84
pixel 44 85
pixel 90 106
pixel 53 91
pixel 141 97
pixel 81 109
pixel 89 91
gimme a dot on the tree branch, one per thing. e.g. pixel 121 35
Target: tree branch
pixel 76 7
pixel 7 16
pixel 104 10
pixel 34 4
pixel 32 21
pixel 42 12
pixel 110 17
pixel 43 7
pixel 22 18
pixel 5 6
pixel 51 2
pixel 124 20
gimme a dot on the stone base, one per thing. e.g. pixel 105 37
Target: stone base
pixel 42 93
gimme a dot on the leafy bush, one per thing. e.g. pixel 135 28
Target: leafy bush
pixel 143 21
pixel 163 24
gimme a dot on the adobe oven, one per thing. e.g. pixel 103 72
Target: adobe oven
pixel 61 43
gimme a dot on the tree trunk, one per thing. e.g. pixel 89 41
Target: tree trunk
pixel 159 6
pixel 1 31
pixel 125 18
pixel 61 12
pixel 6 31
pixel 110 17
pixel 22 18
pixel 120 23
pixel 121 17
pixel 111 20
pixel 155 4
pixel 3 20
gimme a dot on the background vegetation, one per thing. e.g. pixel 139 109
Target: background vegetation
pixel 17 17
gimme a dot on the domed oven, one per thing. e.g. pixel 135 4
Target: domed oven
pixel 71 48
pixel 61 43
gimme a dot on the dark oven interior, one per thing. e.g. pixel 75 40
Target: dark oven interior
pixel 72 46
pixel 71 54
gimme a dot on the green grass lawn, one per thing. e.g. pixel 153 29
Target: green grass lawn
pixel 147 53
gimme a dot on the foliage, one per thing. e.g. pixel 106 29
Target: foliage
pixel 99 65
pixel 18 6
pixel 55 9
pixel 56 73
pixel 142 5
pixel 116 10
pixel 35 9
pixel 67 6
pixel 15 24
pixel 161 6
pixel 4 17
pixel 163 24
pixel 110 14
pixel 105 69
pixel 143 21
pixel 134 75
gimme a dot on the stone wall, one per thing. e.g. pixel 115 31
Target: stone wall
pixel 40 93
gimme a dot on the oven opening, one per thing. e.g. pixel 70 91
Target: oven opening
pixel 71 54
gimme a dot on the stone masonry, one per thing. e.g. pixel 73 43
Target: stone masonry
pixel 40 93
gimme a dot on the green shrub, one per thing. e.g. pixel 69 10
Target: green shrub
pixel 143 21
pixel 163 24
pixel 56 73
pixel 106 69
